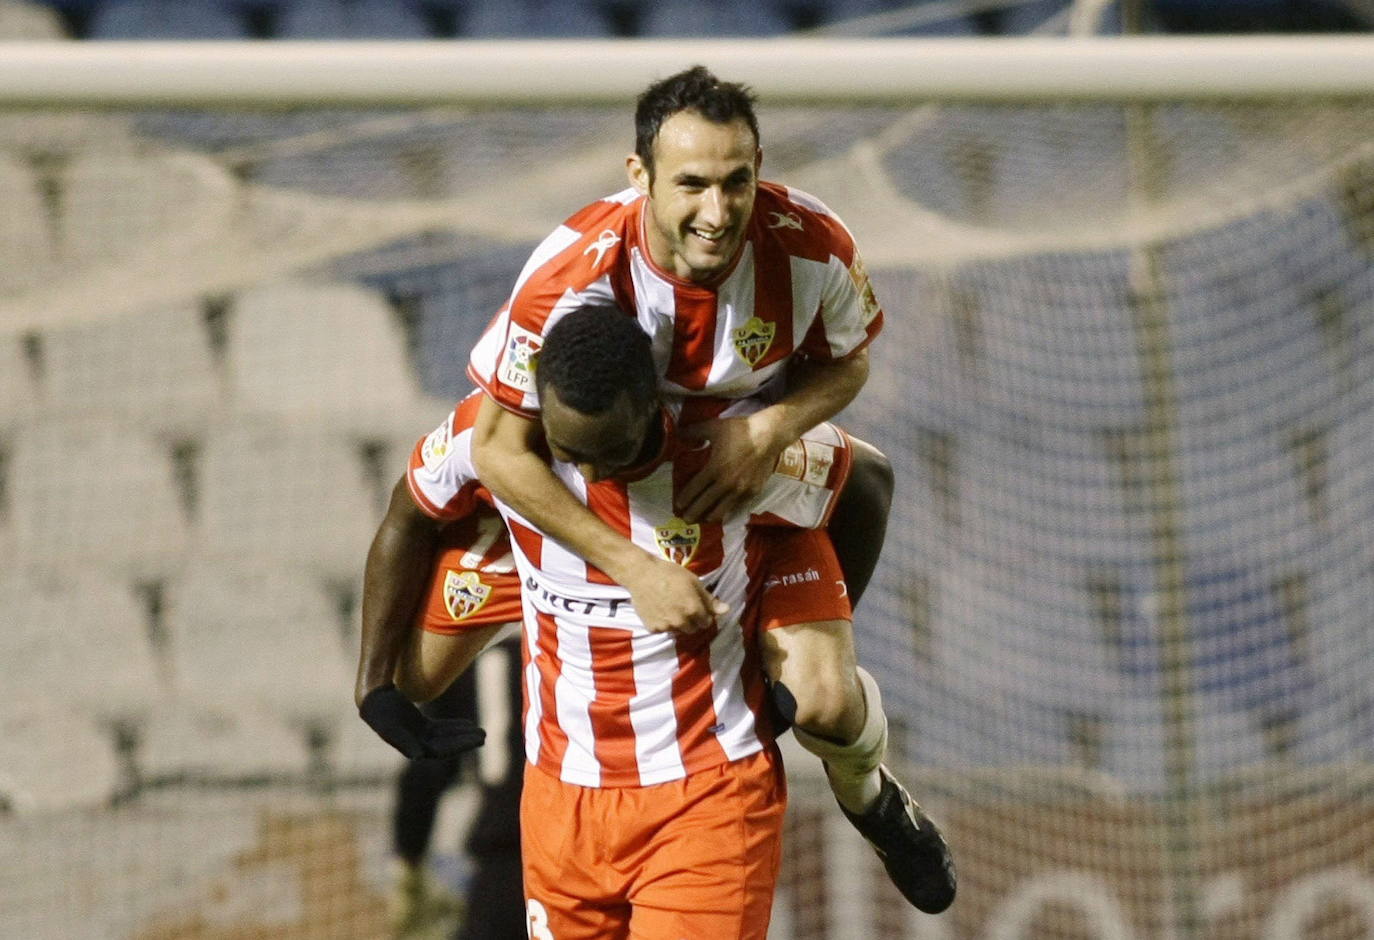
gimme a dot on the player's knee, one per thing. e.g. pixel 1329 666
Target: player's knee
pixel 829 706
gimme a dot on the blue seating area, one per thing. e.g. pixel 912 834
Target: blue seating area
pixel 549 19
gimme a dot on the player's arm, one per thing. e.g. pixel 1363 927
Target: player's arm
pixel 745 450
pixel 665 596
pixel 399 561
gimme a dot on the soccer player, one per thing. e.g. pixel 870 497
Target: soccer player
pixel 748 290
pixel 647 749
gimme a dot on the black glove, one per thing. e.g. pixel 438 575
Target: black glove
pixel 399 723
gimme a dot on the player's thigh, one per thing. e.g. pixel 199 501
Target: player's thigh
pixel 571 892
pixel 810 653
pixel 711 867
pixel 431 661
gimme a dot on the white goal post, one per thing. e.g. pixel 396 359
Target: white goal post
pixel 783 71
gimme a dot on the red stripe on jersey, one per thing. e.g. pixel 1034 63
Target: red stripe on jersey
pixel 799 229
pixel 553 740
pixel 610 500
pixel 693 686
pixel 755 692
pixel 694 337
pixel 531 543
pixel 773 297
pixel 613 672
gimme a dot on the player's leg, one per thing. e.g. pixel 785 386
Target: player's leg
pixel 859 523
pixel 707 851
pixel 473 594
pixel 418 900
pixel 566 833
pixel 836 709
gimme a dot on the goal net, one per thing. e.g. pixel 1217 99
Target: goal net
pixel 1122 621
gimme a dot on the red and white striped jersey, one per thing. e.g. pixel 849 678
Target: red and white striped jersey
pixel 609 703
pixel 798 286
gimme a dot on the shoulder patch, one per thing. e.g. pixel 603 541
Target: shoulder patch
pixel 518 359
pixel 436 445
pixel 859 275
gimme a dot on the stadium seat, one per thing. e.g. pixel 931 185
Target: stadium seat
pixel 18 392
pixel 80 638
pixel 119 204
pixel 351 19
pixel 1065 351
pixel 152 370
pixel 91 494
pixel 21 21
pixel 711 18
pixel 26 236
pixel 166 19
pixel 355 751
pixel 52 758
pixel 291 496
pixel 263 635
pixel 329 353
pixel 524 19
pixel 198 740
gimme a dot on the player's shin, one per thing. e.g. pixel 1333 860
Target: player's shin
pixel 853 767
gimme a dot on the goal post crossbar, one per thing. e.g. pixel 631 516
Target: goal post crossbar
pixel 800 70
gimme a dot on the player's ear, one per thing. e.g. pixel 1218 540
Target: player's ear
pixel 758 161
pixel 638 173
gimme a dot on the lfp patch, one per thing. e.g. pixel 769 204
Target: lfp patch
pixel 753 340
pixel 678 540
pixel 520 358
pixel 464 593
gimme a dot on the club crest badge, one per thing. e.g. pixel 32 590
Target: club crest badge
pixel 520 358
pixel 678 540
pixel 753 340
pixel 464 593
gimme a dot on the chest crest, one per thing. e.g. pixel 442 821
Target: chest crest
pixel 753 340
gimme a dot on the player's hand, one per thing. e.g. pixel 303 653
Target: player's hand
pixel 743 453
pixel 399 723
pixel 668 597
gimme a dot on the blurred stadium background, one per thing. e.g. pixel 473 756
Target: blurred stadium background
pixel 1123 623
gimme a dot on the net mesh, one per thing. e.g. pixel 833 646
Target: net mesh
pixel 1121 623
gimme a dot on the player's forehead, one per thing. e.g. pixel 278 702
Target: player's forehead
pixel 688 140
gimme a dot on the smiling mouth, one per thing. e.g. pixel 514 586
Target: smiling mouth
pixel 714 239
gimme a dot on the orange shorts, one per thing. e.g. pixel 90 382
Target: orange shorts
pixel 685 860
pixel 794 577
pixel 474 582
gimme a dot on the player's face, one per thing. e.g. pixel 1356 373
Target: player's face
pixel 701 194
pixel 599 445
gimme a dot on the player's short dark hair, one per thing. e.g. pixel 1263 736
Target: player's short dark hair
pixel 695 89
pixel 594 355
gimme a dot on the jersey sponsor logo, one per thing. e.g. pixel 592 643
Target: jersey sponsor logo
pixel 464 593
pixel 435 448
pixel 785 220
pixel 518 363
pixel 794 577
pixel 574 605
pixel 753 340
pixel 678 540
pixel 858 273
pixel 604 243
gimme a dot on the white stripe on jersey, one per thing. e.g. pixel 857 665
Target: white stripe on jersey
pixel 652 295
pixel 738 737
pixel 573 691
pixel 534 706
pixel 652 712
pixel 558 240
